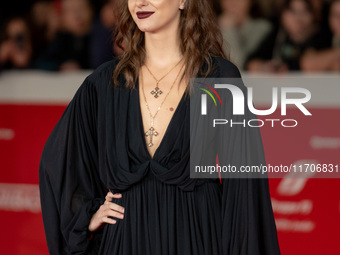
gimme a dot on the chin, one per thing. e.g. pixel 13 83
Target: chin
pixel 146 28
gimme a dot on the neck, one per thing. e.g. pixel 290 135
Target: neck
pixel 163 48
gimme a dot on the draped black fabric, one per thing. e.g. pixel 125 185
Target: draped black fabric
pixel 99 145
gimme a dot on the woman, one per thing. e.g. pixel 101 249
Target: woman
pixel 135 143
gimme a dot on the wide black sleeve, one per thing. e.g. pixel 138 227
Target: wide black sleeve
pixel 248 221
pixel 70 188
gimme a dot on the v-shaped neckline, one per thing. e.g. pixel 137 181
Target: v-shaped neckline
pixel 141 125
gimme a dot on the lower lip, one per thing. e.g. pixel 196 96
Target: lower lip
pixel 144 15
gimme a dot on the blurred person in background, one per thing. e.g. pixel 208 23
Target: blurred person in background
pixel 103 36
pixel 272 10
pixel 70 49
pixel 15 44
pixel 241 30
pixel 281 50
pixel 45 22
pixel 84 41
pixel 322 9
pixel 326 56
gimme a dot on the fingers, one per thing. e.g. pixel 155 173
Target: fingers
pixel 112 213
pixel 108 212
pixel 110 195
pixel 108 220
pixel 116 207
pixel 112 209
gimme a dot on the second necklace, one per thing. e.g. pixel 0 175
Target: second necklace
pixel 151 131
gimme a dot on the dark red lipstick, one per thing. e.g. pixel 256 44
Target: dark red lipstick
pixel 144 15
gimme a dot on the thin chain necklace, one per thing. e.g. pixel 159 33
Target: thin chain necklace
pixel 157 92
pixel 151 131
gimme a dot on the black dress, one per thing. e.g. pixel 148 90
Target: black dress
pixel 99 144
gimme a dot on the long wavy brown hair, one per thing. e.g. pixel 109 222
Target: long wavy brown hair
pixel 200 37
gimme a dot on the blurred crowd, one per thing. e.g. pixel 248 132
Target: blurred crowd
pixel 273 36
pixel 56 35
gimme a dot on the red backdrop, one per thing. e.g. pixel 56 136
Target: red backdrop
pixel 306 210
